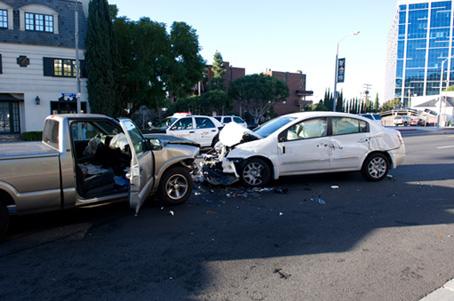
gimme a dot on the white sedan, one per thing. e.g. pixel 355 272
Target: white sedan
pixel 304 143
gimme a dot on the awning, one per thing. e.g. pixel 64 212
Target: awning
pixel 6 97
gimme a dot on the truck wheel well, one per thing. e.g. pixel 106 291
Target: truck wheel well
pixel 5 198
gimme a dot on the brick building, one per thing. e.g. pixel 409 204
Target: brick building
pixel 296 83
pixel 230 75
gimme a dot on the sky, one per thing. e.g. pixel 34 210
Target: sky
pixel 286 36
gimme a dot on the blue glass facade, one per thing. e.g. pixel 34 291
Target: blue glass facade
pixel 424 41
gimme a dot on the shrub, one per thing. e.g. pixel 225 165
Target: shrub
pixel 32 136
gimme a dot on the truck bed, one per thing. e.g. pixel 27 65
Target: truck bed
pixel 16 150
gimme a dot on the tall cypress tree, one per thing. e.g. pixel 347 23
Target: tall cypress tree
pixel 100 56
pixel 218 68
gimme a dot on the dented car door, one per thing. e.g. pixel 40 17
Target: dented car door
pixel 304 147
pixel 349 143
pixel 142 164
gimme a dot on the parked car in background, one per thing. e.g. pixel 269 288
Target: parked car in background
pixel 227 119
pixel 373 116
pixel 303 143
pixel 402 120
pixel 203 130
pixel 417 121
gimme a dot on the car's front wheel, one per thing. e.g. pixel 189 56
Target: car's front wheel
pixel 375 167
pixel 255 172
pixel 175 186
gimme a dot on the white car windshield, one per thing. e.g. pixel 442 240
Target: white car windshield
pixel 273 125
pixel 164 125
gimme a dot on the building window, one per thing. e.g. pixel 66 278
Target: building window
pixel 9 117
pixel 3 18
pixel 38 22
pixel 57 67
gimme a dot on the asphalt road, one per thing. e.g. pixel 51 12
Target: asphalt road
pixel 331 237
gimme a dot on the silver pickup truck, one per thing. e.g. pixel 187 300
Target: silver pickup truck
pixel 85 159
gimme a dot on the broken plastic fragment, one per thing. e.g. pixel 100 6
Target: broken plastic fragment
pixel 283 274
pixel 171 212
pixel 281 190
pixel 320 201
pixel 334 187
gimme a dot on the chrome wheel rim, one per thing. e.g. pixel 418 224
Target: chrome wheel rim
pixel 177 186
pixel 252 173
pixel 377 167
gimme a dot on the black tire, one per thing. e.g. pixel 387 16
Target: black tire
pixel 375 167
pixel 175 186
pixel 255 172
pixel 215 140
pixel 4 219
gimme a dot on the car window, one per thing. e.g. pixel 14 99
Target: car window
pixel 50 134
pixel 203 123
pixel 312 128
pixel 227 119
pixel 238 120
pixel 183 124
pixel 218 118
pixel 377 117
pixel 273 125
pixel 367 116
pixel 345 125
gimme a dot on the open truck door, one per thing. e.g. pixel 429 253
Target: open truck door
pixel 141 174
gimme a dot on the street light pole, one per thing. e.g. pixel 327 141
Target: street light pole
pixel 441 88
pixel 355 33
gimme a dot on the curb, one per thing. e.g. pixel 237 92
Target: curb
pixel 444 293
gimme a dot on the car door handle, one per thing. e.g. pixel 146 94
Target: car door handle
pixel 191 132
pixel 363 140
pixel 322 145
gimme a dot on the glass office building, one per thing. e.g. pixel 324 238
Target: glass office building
pixel 420 42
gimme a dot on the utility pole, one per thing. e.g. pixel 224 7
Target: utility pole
pixel 76 33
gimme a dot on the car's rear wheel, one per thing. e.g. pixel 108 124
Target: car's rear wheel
pixel 175 186
pixel 255 172
pixel 375 167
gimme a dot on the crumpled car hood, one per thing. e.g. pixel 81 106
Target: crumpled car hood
pixel 233 134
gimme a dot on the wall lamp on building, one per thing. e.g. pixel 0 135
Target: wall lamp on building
pixel 37 100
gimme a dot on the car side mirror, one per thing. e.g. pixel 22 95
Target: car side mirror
pixel 154 144
pixel 282 137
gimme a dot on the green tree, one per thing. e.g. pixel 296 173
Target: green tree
pixel 144 55
pixel 258 92
pixel 390 104
pixel 101 60
pixel 376 104
pixel 218 69
pixel 187 63
pixel 155 63
pixel 216 100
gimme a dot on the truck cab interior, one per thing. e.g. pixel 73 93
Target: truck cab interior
pixel 102 158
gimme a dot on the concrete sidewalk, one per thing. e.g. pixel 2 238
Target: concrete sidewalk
pixel 444 293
